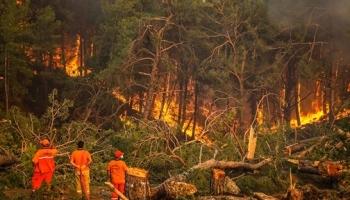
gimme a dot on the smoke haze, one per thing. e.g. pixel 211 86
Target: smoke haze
pixel 332 17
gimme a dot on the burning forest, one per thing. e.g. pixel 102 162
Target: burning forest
pixel 176 99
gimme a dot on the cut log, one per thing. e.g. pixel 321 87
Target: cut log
pixel 311 192
pixel 333 169
pixel 325 168
pixel 218 181
pixel 301 145
pixel 7 160
pixel 221 184
pixel 230 165
pixel 294 194
pixel 262 196
pixel 121 195
pixel 173 190
pixel 307 151
pixel 137 184
pixel 289 150
pixel 222 197
pixel 158 192
pixel 220 165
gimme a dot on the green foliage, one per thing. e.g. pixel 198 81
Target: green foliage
pixel 57 110
pixel 201 179
pixel 259 183
pixel 13 31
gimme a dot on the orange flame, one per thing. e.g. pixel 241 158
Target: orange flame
pixel 308 118
pixel 72 68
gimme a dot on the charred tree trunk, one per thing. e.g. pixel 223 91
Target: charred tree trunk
pixel 137 185
pixel 253 108
pixel 184 104
pixel 6 82
pixel 81 54
pixel 152 87
pixel 289 87
pixel 331 89
pixel 195 110
pixel 63 52
pixel 164 97
pixel 297 100
pixel 181 92
pixel 140 101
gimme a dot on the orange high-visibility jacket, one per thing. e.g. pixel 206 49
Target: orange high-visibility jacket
pixel 117 169
pixel 44 160
pixel 81 158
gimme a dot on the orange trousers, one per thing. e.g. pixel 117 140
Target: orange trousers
pixel 38 178
pixel 120 187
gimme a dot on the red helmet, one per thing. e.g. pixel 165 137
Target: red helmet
pixel 45 142
pixel 118 154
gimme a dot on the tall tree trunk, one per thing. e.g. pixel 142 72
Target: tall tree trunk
pixel 324 94
pixel 195 110
pixel 152 86
pixel 6 83
pixel 297 100
pixel 253 108
pixel 184 105
pixel 164 96
pixel 81 56
pixel 140 101
pixel 330 95
pixel 181 88
pixel 289 87
pixel 242 91
pixel 63 52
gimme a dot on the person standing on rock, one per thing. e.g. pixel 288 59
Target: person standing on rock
pixel 116 170
pixel 81 160
pixel 44 165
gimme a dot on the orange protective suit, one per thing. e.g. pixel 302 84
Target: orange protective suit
pixel 116 169
pixel 44 167
pixel 81 159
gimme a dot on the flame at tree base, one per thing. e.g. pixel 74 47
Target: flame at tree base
pixel 308 118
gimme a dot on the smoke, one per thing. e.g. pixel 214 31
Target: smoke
pixel 331 17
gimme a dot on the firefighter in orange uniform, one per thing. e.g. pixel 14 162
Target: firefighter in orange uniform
pixel 44 165
pixel 81 159
pixel 116 170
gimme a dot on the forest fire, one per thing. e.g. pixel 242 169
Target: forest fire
pixel 308 118
pixel 72 66
pixel 165 110
pixel 181 89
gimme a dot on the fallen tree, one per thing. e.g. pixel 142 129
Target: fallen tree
pixel 223 197
pixel 302 145
pixel 230 165
pixel 7 160
pixel 212 164
pixel 176 186
pixel 324 168
pixel 262 196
